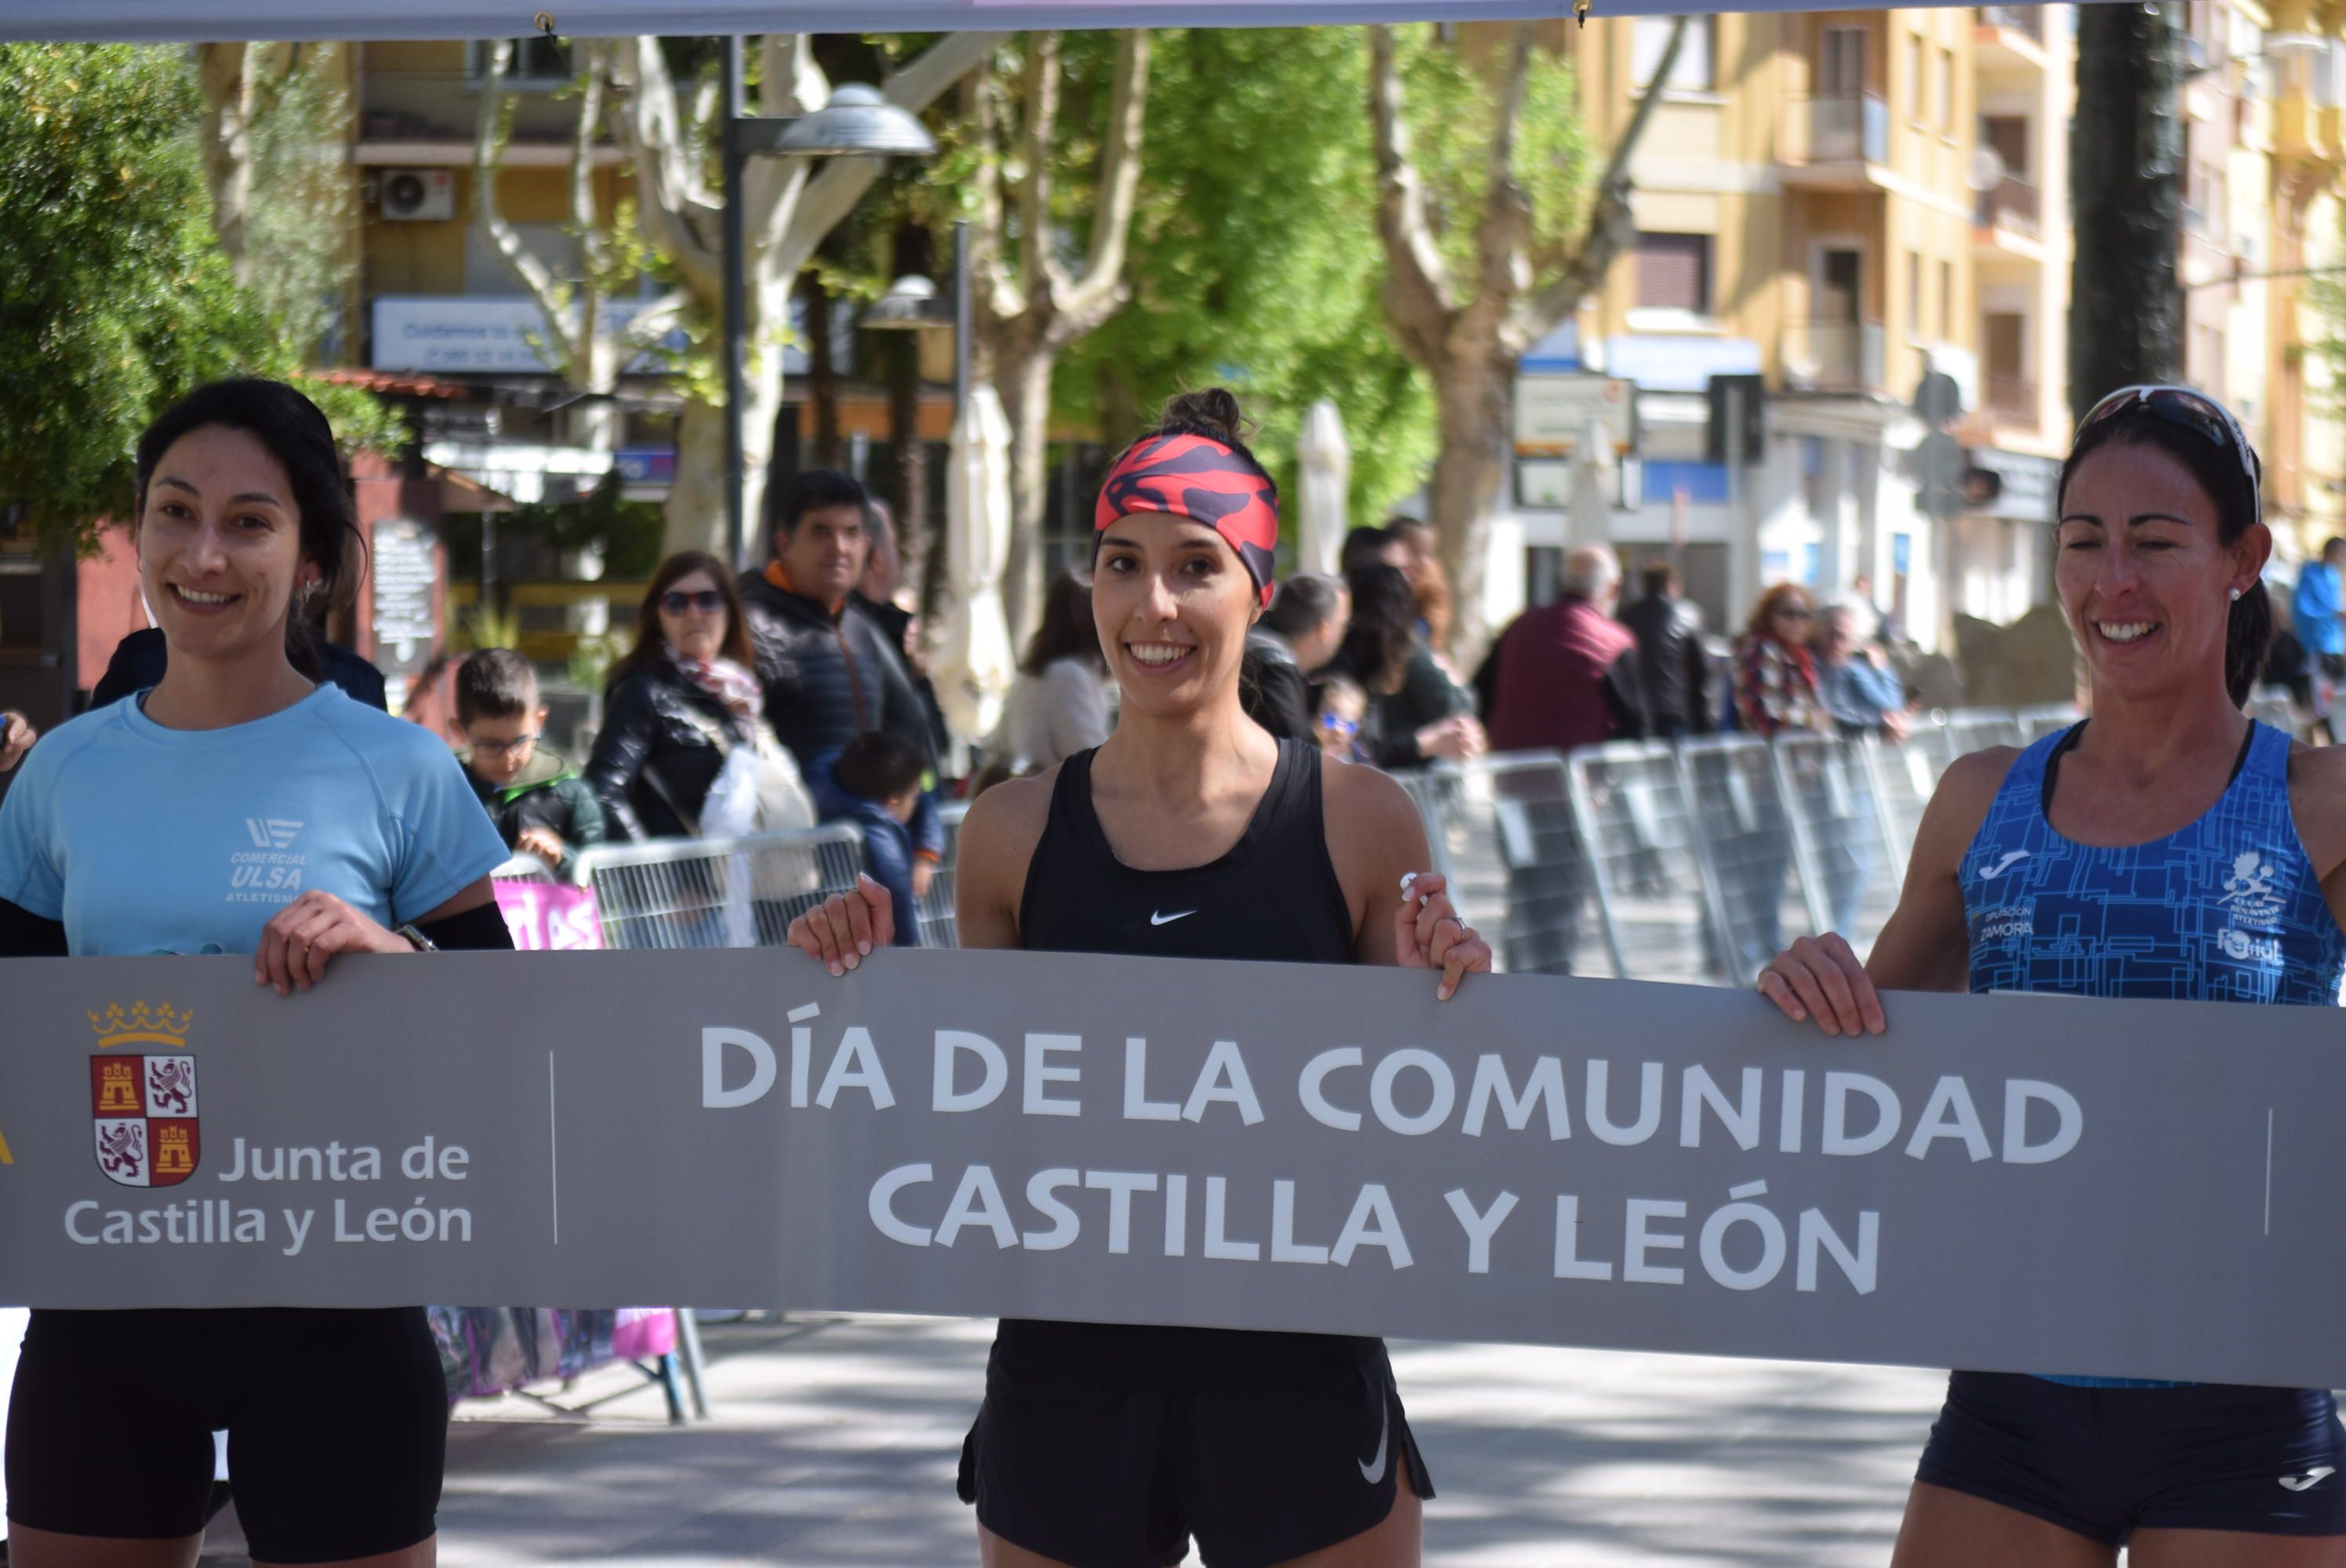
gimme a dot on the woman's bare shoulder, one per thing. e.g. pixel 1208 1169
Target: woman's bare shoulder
pixel 1007 820
pixel 1362 797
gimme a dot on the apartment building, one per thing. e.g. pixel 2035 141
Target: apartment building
pixel 1840 203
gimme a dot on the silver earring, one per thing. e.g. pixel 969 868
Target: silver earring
pixel 2235 595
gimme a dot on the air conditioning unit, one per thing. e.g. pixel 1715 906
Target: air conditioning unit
pixel 418 195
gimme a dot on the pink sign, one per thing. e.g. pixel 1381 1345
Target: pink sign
pixel 550 917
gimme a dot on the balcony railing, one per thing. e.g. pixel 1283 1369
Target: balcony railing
pixel 2013 202
pixel 2012 397
pixel 1844 127
pixel 1833 356
pixel 2027 20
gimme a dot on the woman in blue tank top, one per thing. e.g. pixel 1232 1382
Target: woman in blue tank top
pixel 2168 847
pixel 1188 832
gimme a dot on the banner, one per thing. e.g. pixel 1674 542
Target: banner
pixel 2023 1184
pixel 186 21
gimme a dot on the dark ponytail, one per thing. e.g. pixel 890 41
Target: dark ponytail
pixel 2247 638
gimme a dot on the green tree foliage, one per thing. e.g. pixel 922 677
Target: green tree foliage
pixel 113 299
pixel 1256 259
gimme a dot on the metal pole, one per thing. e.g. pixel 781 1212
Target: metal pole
pixel 736 368
pixel 961 315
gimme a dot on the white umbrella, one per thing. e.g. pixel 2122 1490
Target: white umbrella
pixel 973 671
pixel 1325 458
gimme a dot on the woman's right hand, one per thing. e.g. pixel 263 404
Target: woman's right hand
pixel 840 931
pixel 1820 977
pixel 1456 738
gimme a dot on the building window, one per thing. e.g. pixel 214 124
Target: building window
pixel 1947 301
pixel 1693 71
pixel 1915 294
pixel 1944 90
pixel 1841 69
pixel 1914 78
pixel 1674 272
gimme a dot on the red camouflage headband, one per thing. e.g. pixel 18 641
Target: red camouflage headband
pixel 1199 478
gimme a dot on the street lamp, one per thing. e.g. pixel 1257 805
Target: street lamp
pixel 856 123
pixel 910 305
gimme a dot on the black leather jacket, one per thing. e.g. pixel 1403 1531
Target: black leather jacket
pixel 646 733
pixel 1671 664
pixel 828 677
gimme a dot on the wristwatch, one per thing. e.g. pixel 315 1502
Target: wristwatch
pixel 416 938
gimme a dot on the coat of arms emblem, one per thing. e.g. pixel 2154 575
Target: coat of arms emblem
pixel 143 1108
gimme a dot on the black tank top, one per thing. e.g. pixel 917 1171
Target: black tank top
pixel 1274 896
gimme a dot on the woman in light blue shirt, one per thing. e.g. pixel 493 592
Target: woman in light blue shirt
pixel 239 806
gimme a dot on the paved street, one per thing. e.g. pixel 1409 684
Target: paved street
pixel 832 1445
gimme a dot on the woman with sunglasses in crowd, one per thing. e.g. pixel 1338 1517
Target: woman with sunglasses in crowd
pixel 129 833
pixel 2168 786
pixel 677 707
pixel 1190 832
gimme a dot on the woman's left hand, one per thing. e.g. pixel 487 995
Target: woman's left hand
pixel 1429 934
pixel 299 938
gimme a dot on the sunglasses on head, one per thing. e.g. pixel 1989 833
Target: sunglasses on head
pixel 708 601
pixel 2188 409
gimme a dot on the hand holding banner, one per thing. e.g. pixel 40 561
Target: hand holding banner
pixel 2005 1183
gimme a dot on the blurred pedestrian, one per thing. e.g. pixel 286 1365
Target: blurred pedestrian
pixel 1672 669
pixel 1059 699
pixel 1370 547
pixel 875 782
pixel 1775 685
pixel 1416 713
pixel 884 595
pixel 1862 697
pixel 1290 644
pixel 2318 614
pixel 680 704
pixel 541 804
pixel 829 670
pixel 1426 579
pixel 1775 693
pixel 1567 673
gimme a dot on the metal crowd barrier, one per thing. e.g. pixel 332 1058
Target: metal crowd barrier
pixel 1503 832
pixel 939 925
pixel 717 893
pixel 1654 897
pixel 1850 869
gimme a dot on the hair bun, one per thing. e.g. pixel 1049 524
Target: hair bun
pixel 1215 408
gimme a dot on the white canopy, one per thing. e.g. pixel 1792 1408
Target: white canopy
pixel 1325 459
pixel 211 21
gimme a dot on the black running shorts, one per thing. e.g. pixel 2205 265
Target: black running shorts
pixel 2105 1462
pixel 337 1424
pixel 1119 1471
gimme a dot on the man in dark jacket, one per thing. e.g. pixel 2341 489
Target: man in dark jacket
pixel 1293 642
pixel 1671 664
pixel 1567 672
pixel 828 669
pixel 139 659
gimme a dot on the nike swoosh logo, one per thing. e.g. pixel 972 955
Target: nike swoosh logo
pixel 1373 1471
pixel 1169 919
pixel 2310 1478
pixel 2003 865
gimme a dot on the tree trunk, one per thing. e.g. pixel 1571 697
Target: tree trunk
pixel 228 75
pixel 1471 402
pixel 2124 164
pixel 1024 382
pixel 907 485
pixel 695 500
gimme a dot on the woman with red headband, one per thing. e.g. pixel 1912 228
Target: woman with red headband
pixel 1189 833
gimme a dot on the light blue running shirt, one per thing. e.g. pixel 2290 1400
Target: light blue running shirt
pixel 2229 908
pixel 143 840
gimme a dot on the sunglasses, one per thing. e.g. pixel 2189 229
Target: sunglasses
pixel 2188 409
pixel 708 601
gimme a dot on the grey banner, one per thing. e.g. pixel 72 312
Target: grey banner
pixel 2022 1184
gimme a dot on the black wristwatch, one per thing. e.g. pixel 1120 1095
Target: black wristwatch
pixel 416 938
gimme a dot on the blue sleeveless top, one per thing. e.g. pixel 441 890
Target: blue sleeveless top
pixel 2229 908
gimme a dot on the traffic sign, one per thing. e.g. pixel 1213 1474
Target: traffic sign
pixel 1553 412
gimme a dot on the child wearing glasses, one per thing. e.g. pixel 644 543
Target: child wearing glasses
pixel 540 804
